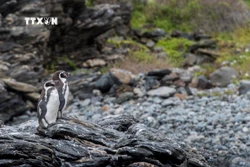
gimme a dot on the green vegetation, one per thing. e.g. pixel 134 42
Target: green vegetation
pixel 52 65
pixel 216 93
pixel 138 18
pixel 175 48
pixel 89 3
pixel 187 15
pixel 207 69
pixel 133 45
pixel 139 58
pixel 142 56
pixel 235 49
pixel 166 16
pixel 70 63
pixel 215 17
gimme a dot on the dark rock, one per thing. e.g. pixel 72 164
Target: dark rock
pixel 176 34
pixel 87 25
pixel 199 35
pixel 82 84
pixel 10 105
pixel 120 89
pixel 122 30
pixel 122 123
pixel 159 73
pixel 104 83
pixel 170 77
pixel 7 46
pixel 124 97
pixel 244 87
pixel 151 83
pixel 202 44
pixel 156 33
pixel 113 141
pixel 203 83
pixel 198 58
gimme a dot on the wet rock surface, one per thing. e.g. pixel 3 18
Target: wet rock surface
pixel 112 142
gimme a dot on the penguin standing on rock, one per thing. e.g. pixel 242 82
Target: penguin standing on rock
pixel 48 105
pixel 63 90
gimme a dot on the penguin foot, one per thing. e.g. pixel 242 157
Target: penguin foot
pixel 51 124
pixel 40 131
pixel 63 118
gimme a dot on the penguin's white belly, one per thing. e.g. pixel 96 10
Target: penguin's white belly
pixel 52 107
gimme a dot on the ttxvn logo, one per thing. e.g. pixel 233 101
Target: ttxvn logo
pixel 41 20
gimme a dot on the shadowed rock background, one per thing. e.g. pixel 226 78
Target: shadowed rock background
pixel 26 50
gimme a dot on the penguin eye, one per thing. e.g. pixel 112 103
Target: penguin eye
pixel 49 84
pixel 63 75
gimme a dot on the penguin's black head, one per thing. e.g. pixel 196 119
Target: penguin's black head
pixel 64 74
pixel 49 83
pixel 60 74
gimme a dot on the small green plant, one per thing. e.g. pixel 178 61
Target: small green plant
pixel 175 47
pixel 89 3
pixel 138 19
pixel 129 43
pixel 82 71
pixel 71 63
pixel 51 66
pixel 229 92
pixel 142 56
pixel 105 69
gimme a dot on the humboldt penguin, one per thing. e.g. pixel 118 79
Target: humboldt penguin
pixel 63 90
pixel 48 105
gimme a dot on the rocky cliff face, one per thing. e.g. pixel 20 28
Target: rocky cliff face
pixel 26 50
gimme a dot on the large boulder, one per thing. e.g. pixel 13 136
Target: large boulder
pixel 223 76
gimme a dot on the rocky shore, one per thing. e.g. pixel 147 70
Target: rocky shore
pixel 215 119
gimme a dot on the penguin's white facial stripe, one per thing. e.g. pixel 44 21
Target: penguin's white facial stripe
pixel 46 92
